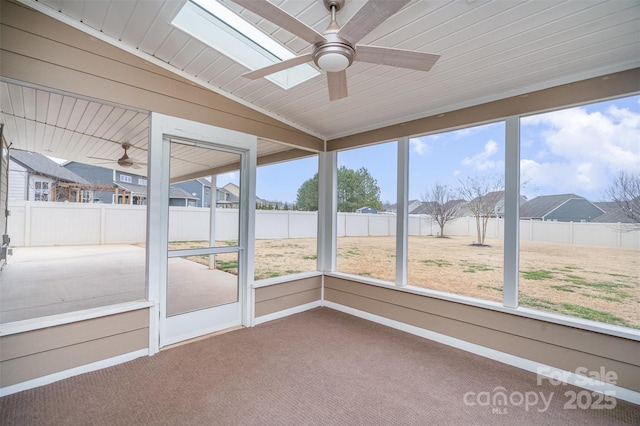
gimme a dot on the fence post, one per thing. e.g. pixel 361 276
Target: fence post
pixel 103 223
pixel 530 229
pixel 27 224
pixel 570 232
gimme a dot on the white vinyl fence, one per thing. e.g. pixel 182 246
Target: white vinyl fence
pixel 33 223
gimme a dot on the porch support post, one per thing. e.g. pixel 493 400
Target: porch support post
pixel 402 217
pixel 511 212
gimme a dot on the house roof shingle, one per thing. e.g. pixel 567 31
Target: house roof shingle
pixel 540 206
pixel 43 165
pixel 612 213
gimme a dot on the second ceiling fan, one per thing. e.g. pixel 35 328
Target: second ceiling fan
pixel 336 48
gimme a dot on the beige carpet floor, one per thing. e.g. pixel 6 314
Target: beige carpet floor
pixel 320 367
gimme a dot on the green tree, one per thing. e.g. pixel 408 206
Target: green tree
pixel 356 188
pixel 307 198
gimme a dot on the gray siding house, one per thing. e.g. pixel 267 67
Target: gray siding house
pixel 112 186
pixel 560 208
pixel 200 189
pixel 35 177
pixel 178 197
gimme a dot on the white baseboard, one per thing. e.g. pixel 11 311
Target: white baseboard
pixel 285 313
pixel 515 361
pixel 45 380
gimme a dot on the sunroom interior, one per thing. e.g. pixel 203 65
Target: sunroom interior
pixel 129 76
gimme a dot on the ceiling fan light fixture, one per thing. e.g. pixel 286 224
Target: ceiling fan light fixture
pixel 333 57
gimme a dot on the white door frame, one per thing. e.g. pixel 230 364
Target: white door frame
pixel 162 128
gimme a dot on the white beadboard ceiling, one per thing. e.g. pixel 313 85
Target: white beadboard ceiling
pixel 489 50
pixel 91 132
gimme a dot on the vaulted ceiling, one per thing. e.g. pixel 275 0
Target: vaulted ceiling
pixel 489 50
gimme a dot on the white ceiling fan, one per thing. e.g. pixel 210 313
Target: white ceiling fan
pixel 125 160
pixel 336 49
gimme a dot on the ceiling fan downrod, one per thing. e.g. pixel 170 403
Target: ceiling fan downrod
pixel 335 54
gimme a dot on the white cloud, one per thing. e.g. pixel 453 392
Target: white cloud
pixel 578 151
pixel 609 139
pixel 419 146
pixel 482 161
pixel 566 177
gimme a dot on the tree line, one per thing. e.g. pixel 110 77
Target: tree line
pixel 478 196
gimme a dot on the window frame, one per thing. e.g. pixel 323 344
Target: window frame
pixel 511 254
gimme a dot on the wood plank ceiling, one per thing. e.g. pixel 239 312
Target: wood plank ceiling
pixel 489 50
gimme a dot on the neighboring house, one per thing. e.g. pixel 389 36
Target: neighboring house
pixel 178 197
pixel 493 202
pixel 424 207
pixel 233 189
pixel 227 197
pixel 112 186
pixel 35 177
pixel 612 213
pixel 367 209
pixel 560 208
pixel 412 207
pixel 199 188
pixel 128 188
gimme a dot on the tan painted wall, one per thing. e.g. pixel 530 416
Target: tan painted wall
pixel 557 345
pixel 39 50
pixel 287 295
pixel 42 352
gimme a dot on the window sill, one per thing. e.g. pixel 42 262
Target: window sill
pixel 70 317
pixel 285 278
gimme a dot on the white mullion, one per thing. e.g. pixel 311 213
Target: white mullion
pixel 248 233
pixel 402 218
pixel 157 227
pixel 213 203
pixel 327 211
pixel 512 212
pixel 203 251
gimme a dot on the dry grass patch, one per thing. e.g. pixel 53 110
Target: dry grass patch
pixel 599 283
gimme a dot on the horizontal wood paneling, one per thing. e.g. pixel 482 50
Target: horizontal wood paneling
pixel 41 364
pixel 46 339
pixel 552 344
pixel 46 351
pixel 287 295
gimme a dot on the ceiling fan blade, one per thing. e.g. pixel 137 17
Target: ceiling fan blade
pixel 372 14
pixel 396 57
pixel 289 63
pixel 274 14
pixel 337 82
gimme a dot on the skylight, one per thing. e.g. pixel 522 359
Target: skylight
pixel 218 27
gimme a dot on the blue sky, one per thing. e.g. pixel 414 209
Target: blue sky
pixel 576 150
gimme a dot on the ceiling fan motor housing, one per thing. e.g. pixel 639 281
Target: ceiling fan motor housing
pixel 333 55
